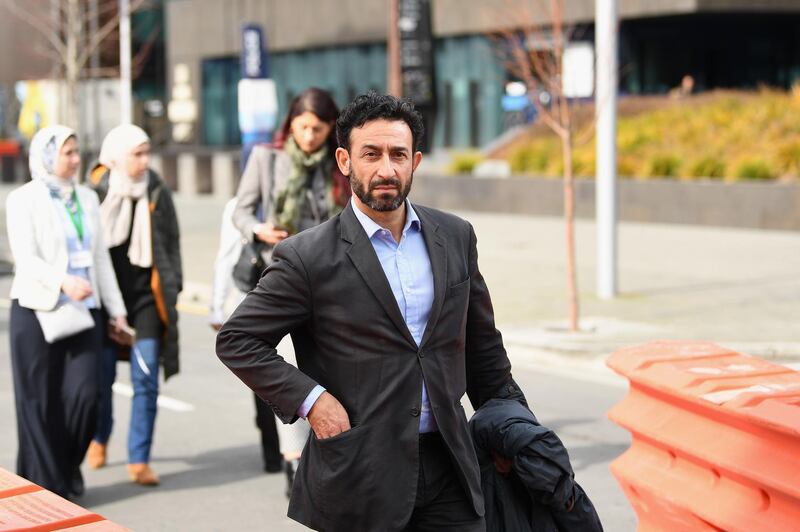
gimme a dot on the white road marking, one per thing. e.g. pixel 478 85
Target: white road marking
pixel 170 403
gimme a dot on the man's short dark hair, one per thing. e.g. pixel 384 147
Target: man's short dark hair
pixel 373 106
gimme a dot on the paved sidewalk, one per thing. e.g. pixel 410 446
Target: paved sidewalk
pixel 740 288
pixel 737 287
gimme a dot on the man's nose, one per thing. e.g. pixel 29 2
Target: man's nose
pixel 385 169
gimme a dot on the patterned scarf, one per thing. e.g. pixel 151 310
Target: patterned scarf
pixel 43 153
pixel 290 200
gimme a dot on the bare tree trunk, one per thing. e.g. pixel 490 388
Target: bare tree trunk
pixel 569 218
pixel 394 82
pixel 543 71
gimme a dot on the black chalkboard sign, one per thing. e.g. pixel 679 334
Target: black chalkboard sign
pixel 416 51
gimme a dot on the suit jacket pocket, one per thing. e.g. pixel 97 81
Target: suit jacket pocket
pixel 346 476
pixel 458 287
pixel 454 313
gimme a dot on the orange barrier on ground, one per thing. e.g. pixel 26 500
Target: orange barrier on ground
pixel 715 439
pixel 26 506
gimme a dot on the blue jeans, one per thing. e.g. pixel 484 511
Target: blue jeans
pixel 144 377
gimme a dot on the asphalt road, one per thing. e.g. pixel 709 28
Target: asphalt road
pixel 736 287
pixel 207 454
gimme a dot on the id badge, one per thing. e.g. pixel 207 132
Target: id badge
pixel 80 259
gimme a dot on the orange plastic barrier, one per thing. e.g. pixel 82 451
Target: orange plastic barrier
pixel 715 439
pixel 26 506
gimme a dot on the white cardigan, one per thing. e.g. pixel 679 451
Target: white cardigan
pixel 38 244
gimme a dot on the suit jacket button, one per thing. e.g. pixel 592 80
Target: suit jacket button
pixel 422 354
pixel 415 412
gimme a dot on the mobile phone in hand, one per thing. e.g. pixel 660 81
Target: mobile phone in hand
pixel 124 335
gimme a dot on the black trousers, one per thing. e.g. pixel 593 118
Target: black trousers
pixel 441 503
pixel 55 394
pixel 270 445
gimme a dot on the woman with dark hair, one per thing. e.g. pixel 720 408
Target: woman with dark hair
pixel 288 187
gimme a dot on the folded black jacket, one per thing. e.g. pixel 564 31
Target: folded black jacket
pixel 540 493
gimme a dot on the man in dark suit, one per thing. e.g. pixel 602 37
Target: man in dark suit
pixel 392 323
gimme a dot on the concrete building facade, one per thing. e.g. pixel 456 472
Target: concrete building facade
pixel 341 46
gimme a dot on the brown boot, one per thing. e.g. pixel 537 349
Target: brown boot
pixel 142 474
pixel 96 455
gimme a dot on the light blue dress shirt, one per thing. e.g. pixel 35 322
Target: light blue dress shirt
pixel 75 244
pixel 407 267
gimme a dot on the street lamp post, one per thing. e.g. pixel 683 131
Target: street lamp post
pixel 606 115
pixel 125 96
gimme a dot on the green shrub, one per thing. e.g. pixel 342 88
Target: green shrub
pixel 626 166
pixel 662 165
pixel 529 158
pixel 583 163
pixel 465 162
pixel 708 166
pixel 754 169
pixel 788 157
pixel 715 134
pixel 632 138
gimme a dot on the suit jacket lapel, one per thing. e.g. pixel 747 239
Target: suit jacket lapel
pixel 437 251
pixel 363 257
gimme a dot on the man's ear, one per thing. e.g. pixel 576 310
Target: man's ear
pixel 417 160
pixel 343 160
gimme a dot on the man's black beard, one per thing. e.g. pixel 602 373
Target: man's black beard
pixel 383 202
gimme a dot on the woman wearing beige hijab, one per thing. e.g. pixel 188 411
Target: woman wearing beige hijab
pixel 141 231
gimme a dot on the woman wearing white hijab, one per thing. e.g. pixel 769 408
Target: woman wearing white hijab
pixel 61 265
pixel 141 231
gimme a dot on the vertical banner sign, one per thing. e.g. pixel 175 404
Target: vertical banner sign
pixel 254 58
pixel 258 99
pixel 417 59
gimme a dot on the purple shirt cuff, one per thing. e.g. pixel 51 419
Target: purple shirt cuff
pixel 311 398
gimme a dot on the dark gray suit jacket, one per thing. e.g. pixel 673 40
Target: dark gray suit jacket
pixel 327 289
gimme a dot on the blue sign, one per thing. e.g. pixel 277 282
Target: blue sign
pixel 515 103
pixel 254 58
pixel 258 101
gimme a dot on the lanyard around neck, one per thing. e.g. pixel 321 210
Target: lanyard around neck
pixel 75 214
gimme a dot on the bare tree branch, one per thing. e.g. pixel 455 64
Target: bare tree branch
pixel 44 27
pixel 48 53
pixel 140 59
pixel 103 32
pixel 104 8
pixel 102 72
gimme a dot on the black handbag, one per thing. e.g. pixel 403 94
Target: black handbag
pixel 248 269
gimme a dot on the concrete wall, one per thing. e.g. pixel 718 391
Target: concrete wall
pixel 751 205
pixel 742 205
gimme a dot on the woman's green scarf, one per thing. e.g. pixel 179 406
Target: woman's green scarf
pixel 290 200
